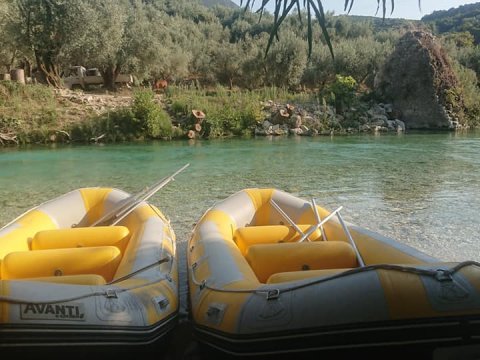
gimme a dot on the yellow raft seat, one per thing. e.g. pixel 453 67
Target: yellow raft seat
pixel 244 237
pixel 93 253
pixel 81 237
pixel 269 259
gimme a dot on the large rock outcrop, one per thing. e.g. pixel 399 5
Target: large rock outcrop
pixel 419 81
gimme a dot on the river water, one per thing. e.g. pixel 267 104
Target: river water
pixel 420 189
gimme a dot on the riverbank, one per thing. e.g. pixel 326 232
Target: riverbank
pixel 32 114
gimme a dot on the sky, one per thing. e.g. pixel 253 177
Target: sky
pixel 407 9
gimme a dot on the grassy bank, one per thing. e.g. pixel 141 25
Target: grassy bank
pixel 228 113
pixel 37 114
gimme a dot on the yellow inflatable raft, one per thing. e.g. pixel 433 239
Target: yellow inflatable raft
pixel 271 273
pixel 64 282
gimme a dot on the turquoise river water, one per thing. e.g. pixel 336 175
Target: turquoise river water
pixel 420 189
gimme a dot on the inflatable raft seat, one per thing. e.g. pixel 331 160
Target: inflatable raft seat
pixel 82 237
pixel 101 260
pixel 268 259
pixel 252 235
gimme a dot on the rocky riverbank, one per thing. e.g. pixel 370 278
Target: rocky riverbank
pixel 311 120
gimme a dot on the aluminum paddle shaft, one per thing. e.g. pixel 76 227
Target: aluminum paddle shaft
pixel 129 204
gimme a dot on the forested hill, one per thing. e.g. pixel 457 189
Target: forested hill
pixel 212 3
pixel 380 24
pixel 460 19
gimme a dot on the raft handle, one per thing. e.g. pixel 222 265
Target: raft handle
pixel 443 275
pixel 273 294
pixel 111 294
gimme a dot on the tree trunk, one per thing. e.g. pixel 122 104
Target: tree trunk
pixel 27 67
pixel 48 70
pixel 109 76
pixel 46 55
pixel 12 61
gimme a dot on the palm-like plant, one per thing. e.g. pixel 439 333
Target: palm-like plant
pixel 314 10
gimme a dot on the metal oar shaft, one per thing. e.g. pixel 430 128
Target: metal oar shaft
pixel 350 239
pixel 286 217
pixel 148 195
pixel 144 195
pixel 129 204
pixel 125 203
pixel 135 199
pixel 319 220
pixel 316 226
pixel 161 184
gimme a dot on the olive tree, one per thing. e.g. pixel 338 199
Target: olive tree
pixel 51 29
pixel 314 10
pixel 254 63
pixel 107 40
pixel 228 59
pixel 8 45
pixel 360 58
pixel 286 61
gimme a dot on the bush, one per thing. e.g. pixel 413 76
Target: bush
pixel 471 95
pixel 144 119
pixel 150 117
pixel 228 113
pixel 342 93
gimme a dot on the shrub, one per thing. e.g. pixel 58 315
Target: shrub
pixel 150 117
pixel 228 113
pixel 471 95
pixel 144 119
pixel 342 92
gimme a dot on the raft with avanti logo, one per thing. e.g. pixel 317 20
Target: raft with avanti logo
pixel 74 311
pixel 92 268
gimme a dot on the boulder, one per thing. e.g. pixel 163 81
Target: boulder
pixel 391 125
pixel 377 109
pixel 379 120
pixel 267 124
pixel 418 80
pixel 400 125
pixel 298 121
pixel 280 117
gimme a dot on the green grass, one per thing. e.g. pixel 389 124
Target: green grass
pixel 28 112
pixel 35 115
pixel 227 113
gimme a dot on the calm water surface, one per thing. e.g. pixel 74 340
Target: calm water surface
pixel 421 189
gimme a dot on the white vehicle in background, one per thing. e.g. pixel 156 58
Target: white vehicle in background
pixel 78 77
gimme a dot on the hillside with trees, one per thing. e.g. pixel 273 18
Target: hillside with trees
pixel 202 48
pixel 213 3
pixel 465 18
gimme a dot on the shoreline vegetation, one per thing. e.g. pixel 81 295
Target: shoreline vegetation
pixel 221 82
pixel 41 115
pixel 37 114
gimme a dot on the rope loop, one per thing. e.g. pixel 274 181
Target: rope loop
pixel 441 275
